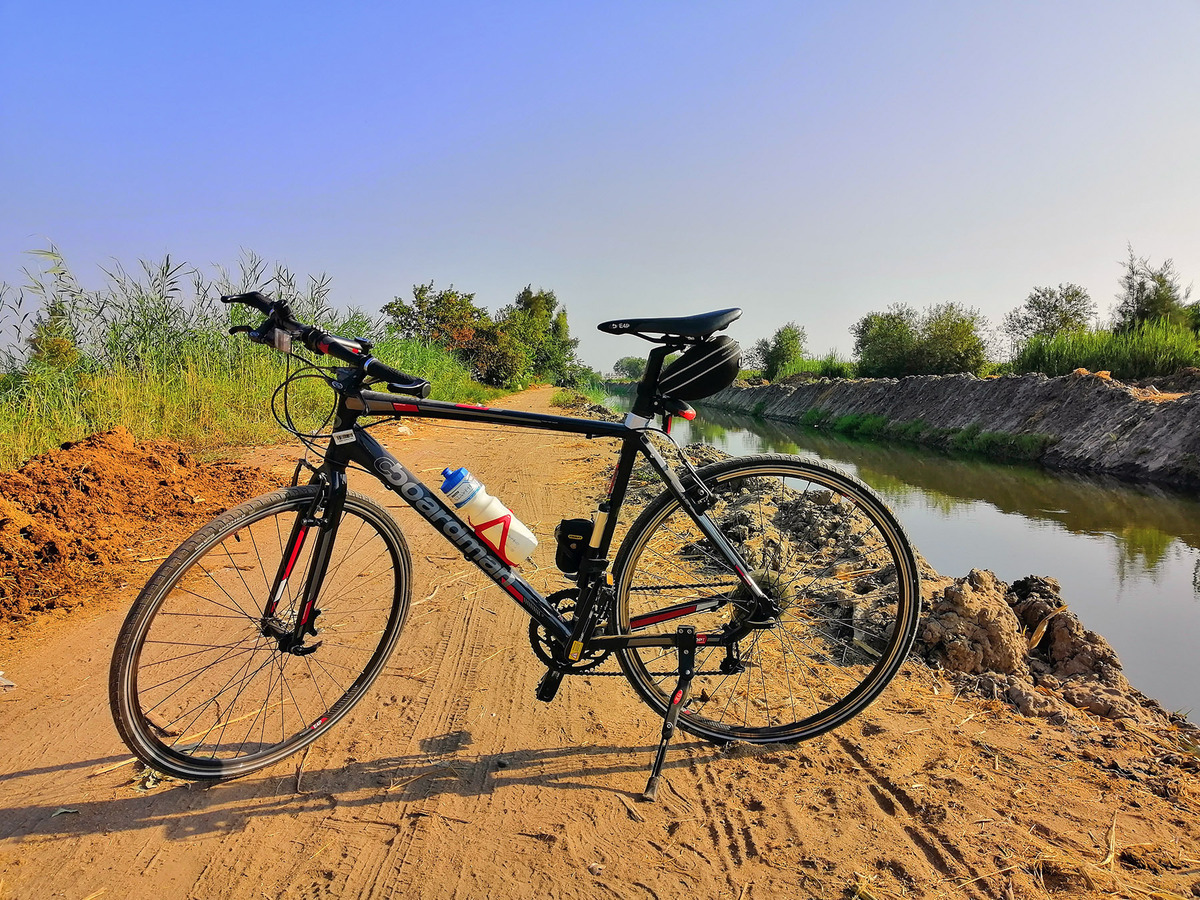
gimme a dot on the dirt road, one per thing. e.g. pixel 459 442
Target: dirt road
pixel 450 780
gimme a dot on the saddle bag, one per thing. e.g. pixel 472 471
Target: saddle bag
pixel 702 370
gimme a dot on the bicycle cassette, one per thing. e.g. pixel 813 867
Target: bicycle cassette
pixel 550 651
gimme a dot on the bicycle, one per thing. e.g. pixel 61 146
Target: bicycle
pixel 759 599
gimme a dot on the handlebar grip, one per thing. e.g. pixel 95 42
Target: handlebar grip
pixel 259 301
pixel 341 348
pixel 398 382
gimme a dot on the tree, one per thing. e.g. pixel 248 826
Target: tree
pixel 885 343
pixel 499 357
pixel 756 357
pixel 632 367
pixel 1050 311
pixel 444 318
pixel 1149 294
pixel 951 340
pixel 785 348
pixel 946 339
pixel 534 318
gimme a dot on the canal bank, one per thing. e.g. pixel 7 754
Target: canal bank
pixel 1081 422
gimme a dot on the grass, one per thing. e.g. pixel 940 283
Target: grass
pixel 154 356
pixel 971 439
pixel 199 401
pixel 573 397
pixel 1155 348
pixel 831 365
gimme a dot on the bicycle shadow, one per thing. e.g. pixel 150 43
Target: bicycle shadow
pixel 191 810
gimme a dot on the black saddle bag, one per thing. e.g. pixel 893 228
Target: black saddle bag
pixel 702 370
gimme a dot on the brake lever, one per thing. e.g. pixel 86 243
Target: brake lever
pixel 268 332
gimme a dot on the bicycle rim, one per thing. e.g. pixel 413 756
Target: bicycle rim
pixel 824 547
pixel 198 691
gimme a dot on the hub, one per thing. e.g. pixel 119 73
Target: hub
pixel 761 612
pixel 284 636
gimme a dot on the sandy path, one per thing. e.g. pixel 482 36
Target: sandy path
pixel 450 780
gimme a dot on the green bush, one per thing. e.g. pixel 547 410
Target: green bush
pixel 784 349
pixel 815 418
pixel 944 340
pixel 1049 311
pixel 886 342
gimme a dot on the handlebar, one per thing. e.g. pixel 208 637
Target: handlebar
pixel 280 327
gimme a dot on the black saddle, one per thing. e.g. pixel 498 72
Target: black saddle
pixel 700 326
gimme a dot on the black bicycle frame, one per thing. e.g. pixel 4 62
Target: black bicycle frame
pixel 351 443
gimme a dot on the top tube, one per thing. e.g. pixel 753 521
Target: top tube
pixel 375 403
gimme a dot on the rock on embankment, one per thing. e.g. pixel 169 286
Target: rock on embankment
pixel 1082 421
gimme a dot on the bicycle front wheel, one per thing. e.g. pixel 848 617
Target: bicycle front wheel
pixel 823 547
pixel 199 691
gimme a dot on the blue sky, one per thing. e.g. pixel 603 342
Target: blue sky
pixel 805 161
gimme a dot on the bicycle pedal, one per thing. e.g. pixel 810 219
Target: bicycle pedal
pixel 548 686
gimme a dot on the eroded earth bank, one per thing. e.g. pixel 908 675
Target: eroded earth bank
pixel 1083 421
pixel 1011 758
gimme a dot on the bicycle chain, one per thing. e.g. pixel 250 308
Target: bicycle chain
pixel 564 602
pixel 655 674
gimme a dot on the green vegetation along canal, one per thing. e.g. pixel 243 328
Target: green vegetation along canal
pixel 1127 556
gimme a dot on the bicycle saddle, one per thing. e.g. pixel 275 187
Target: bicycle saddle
pixel 676 326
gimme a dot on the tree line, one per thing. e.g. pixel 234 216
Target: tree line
pixel 151 313
pixel 1152 331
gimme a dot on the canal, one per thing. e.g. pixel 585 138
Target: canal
pixel 1127 556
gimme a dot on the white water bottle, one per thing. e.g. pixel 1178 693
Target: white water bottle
pixel 493 522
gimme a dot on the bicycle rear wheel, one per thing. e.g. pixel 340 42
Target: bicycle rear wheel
pixel 198 690
pixel 818 542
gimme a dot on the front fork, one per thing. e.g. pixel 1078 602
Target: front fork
pixel 300 615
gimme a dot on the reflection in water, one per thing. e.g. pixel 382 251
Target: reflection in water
pixel 1127 556
pixel 1144 521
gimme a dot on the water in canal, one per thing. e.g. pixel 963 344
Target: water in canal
pixel 1127 556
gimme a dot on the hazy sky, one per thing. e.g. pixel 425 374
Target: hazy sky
pixel 805 161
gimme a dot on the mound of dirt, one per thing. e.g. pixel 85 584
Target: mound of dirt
pixel 1023 645
pixel 68 514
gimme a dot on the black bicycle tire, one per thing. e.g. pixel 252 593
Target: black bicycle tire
pixel 664 505
pixel 132 725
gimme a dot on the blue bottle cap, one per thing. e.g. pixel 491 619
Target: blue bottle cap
pixel 453 478
pixel 460 486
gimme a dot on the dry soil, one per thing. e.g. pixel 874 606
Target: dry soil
pixel 451 780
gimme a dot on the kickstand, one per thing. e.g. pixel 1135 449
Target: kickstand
pixel 687 669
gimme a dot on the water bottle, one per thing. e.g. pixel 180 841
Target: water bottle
pixel 493 522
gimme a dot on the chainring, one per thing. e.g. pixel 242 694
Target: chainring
pixel 544 646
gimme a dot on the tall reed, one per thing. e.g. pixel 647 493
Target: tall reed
pixel 831 365
pixel 152 352
pixel 1150 349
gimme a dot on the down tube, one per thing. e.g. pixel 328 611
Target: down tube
pixel 369 453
